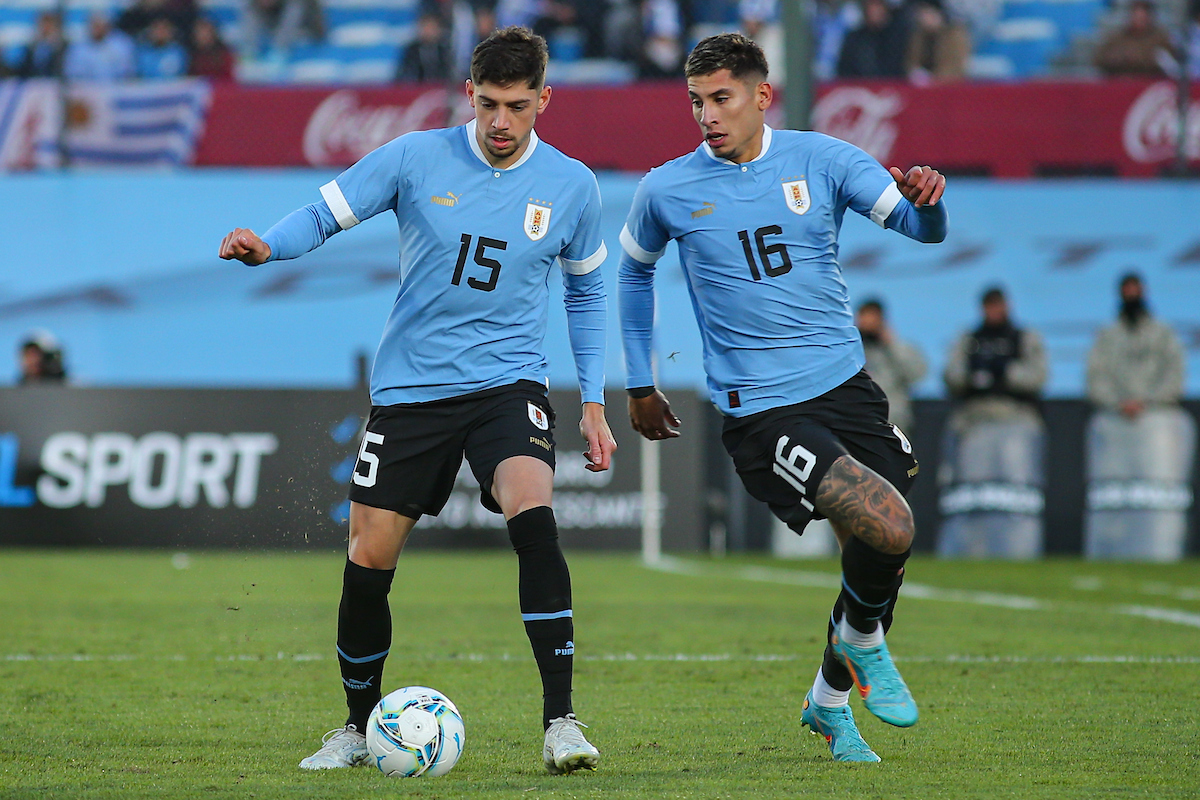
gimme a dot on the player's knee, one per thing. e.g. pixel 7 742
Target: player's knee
pixel 533 530
pixel 903 532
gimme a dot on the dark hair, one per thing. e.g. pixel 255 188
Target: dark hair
pixel 991 295
pixel 731 51
pixel 872 304
pixel 1129 277
pixel 510 55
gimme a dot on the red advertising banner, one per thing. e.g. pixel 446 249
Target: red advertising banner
pixel 1002 130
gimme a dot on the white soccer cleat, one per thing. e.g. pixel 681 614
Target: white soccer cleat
pixel 343 747
pixel 565 749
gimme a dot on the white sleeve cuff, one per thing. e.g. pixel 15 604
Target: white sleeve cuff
pixel 886 204
pixel 636 251
pixel 338 205
pixel 587 265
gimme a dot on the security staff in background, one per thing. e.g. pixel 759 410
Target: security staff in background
pixel 993 473
pixel 894 364
pixel 1141 442
pixel 41 359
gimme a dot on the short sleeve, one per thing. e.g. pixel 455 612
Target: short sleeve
pixel 368 187
pixel 866 187
pixel 586 250
pixel 644 238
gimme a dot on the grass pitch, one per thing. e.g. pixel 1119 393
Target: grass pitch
pixel 128 675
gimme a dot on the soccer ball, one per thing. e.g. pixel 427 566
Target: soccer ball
pixel 415 731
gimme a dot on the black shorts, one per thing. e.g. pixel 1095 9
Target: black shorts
pixel 410 453
pixel 781 454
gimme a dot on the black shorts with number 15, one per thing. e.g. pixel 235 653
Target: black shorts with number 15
pixel 781 454
pixel 411 453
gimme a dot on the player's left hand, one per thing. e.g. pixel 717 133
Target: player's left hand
pixel 601 444
pixel 922 186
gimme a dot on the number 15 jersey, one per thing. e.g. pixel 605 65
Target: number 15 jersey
pixel 477 244
pixel 758 243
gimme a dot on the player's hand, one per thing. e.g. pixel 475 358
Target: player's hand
pixel 652 417
pixel 601 444
pixel 244 245
pixel 923 186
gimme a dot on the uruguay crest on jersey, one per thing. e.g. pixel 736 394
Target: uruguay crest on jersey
pixel 538 417
pixel 796 195
pixel 537 220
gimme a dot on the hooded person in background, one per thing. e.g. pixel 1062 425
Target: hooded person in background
pixel 41 360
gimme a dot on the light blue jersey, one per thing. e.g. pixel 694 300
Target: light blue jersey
pixel 477 244
pixel 758 243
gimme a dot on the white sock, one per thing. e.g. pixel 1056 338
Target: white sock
pixel 853 637
pixel 825 695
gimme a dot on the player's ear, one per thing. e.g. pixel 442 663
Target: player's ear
pixel 544 98
pixel 765 95
pixel 470 87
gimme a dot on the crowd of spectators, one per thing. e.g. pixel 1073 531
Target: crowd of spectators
pixel 150 39
pixel 919 40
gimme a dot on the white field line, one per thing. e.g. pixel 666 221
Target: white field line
pixel 916 591
pixel 687 658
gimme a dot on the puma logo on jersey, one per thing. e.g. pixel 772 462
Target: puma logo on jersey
pixel 450 200
pixel 704 212
pixel 795 194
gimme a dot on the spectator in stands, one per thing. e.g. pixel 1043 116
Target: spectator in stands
pixel 211 57
pixel 427 58
pixel 760 22
pixel 160 56
pixel 580 21
pixel 1137 362
pixel 43 56
pixel 271 27
pixel 1137 49
pixel 41 359
pixel 662 46
pixel 105 55
pixel 1191 47
pixel 938 46
pixel 141 14
pixel 875 49
pixel 831 21
pixel 894 364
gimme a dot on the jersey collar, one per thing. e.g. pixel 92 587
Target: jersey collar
pixel 478 151
pixel 766 146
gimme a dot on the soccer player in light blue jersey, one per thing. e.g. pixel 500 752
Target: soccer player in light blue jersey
pixel 485 211
pixel 755 214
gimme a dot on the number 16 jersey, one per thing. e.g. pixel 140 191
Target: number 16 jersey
pixel 758 243
pixel 477 244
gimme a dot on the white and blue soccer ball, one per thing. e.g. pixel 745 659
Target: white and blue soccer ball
pixel 415 731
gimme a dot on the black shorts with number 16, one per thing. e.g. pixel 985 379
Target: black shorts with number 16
pixel 411 453
pixel 781 454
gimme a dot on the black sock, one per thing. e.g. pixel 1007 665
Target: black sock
pixel 835 672
pixel 545 592
pixel 364 637
pixel 870 581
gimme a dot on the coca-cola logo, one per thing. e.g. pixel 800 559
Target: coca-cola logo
pixel 342 129
pixel 1151 129
pixel 861 117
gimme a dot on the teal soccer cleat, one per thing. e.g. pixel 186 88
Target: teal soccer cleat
pixel 838 728
pixel 883 690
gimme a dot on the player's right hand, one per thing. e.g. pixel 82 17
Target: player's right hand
pixel 244 245
pixel 651 417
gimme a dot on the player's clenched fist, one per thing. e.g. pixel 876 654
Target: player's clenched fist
pixel 923 186
pixel 244 245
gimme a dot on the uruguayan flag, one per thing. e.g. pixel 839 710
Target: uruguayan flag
pixel 154 123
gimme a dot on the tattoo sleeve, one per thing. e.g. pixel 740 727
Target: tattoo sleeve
pixel 860 502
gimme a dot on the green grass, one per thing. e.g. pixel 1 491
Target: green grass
pixel 144 680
